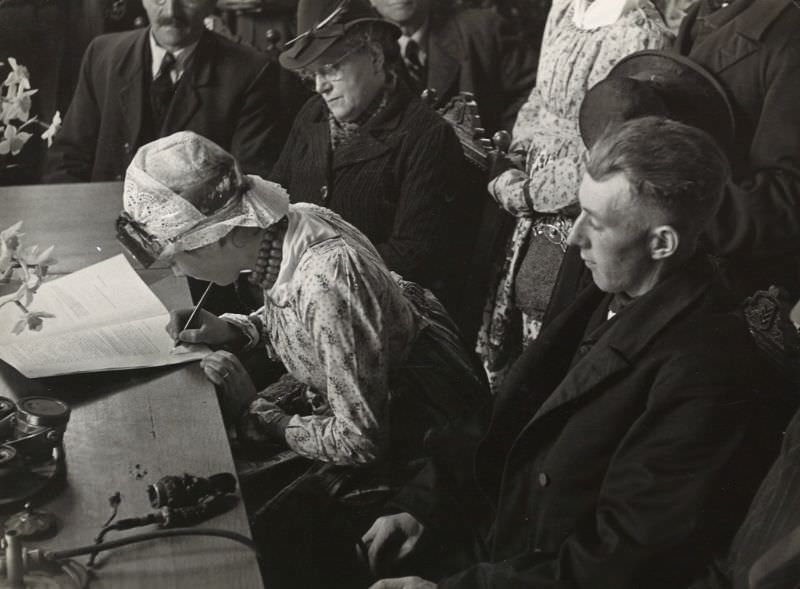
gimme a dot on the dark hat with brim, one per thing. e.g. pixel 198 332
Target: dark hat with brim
pixel 322 23
pixel 658 83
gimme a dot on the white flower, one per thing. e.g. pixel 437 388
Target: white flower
pixel 31 264
pixel 18 76
pixel 9 242
pixel 32 320
pixel 52 129
pixel 14 140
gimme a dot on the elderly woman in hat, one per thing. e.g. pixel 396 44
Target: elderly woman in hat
pixel 365 146
pixel 378 360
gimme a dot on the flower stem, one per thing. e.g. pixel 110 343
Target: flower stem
pixel 21 306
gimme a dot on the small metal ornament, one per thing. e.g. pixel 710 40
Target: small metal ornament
pixel 32 524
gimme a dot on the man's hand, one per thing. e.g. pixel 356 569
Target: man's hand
pixel 206 328
pixel 391 539
pixel 237 388
pixel 404 583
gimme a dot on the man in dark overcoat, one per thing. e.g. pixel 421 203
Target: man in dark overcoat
pixel 174 75
pixel 753 49
pixel 472 50
pixel 618 454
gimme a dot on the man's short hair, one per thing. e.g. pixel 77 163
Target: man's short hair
pixel 673 167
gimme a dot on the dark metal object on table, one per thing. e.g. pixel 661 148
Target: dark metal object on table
pixel 186 490
pixel 31 451
pixel 32 524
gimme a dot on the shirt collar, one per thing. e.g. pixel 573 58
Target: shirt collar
pixel 421 37
pixel 601 13
pixel 182 57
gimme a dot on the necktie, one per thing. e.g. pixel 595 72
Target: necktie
pixel 161 90
pixel 414 64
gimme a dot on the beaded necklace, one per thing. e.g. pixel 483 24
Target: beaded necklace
pixel 270 254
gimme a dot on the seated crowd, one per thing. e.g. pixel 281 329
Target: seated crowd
pixel 622 418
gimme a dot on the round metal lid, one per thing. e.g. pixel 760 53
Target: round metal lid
pixel 32 524
pixel 7 407
pixel 43 411
pixel 7 455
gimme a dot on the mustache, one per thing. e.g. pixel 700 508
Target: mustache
pixel 175 21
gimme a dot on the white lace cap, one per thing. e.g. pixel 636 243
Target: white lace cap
pixel 164 169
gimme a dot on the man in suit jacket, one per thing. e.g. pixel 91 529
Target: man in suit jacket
pixel 126 96
pixel 617 455
pixel 753 48
pixel 472 50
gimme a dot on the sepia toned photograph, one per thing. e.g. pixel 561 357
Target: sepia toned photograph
pixel 400 294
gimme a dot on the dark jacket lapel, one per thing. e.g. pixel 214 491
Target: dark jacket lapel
pixel 743 34
pixel 445 56
pixel 634 329
pixel 187 99
pixel 130 73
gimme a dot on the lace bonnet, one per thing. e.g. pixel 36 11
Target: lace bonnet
pixel 187 192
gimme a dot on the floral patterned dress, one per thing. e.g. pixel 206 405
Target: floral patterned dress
pixel 360 340
pixel 543 198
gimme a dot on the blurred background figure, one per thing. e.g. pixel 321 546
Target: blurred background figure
pixel 451 50
pixel 261 24
pixel 139 85
pixel 539 184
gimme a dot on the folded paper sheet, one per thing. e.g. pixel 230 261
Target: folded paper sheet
pixel 106 318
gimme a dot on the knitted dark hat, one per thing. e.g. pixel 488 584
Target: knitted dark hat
pixel 323 23
pixel 658 83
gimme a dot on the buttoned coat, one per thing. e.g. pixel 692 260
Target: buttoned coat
pixel 756 57
pixel 615 473
pixel 398 180
pixel 476 50
pixel 228 94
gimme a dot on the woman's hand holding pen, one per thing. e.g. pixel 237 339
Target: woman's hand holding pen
pixel 206 328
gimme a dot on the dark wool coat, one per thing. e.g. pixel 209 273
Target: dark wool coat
pixel 398 180
pixel 756 56
pixel 773 518
pixel 627 470
pixel 229 94
pixel 478 51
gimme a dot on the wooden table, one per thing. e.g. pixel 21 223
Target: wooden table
pixel 127 429
pixel 77 218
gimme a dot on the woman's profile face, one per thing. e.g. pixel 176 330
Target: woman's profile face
pixel 347 78
pixel 206 263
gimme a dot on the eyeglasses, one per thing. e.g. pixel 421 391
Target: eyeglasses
pixel 145 248
pixel 331 72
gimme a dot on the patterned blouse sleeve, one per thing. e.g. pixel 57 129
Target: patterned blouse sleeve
pixel 554 178
pixel 525 124
pixel 340 307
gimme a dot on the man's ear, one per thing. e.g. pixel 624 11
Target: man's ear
pixel 664 242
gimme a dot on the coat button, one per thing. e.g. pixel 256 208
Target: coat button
pixel 323 192
pixel 544 480
pixel 118 177
pixel 127 147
